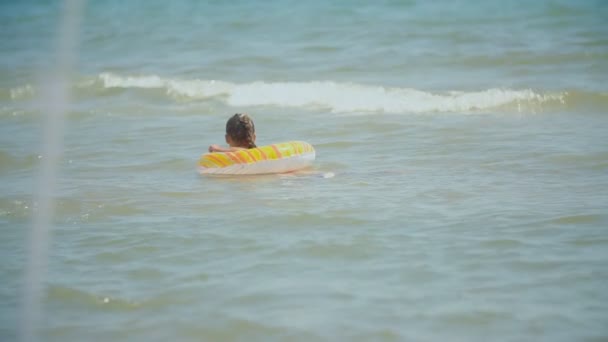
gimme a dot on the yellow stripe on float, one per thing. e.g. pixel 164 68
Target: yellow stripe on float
pixel 253 157
pixel 241 157
pixel 206 163
pixel 276 150
pixel 244 157
pixel 234 157
pixel 290 150
pixel 262 154
pixel 220 159
pixel 297 148
pixel 270 153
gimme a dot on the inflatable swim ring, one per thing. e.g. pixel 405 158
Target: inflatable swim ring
pixel 276 158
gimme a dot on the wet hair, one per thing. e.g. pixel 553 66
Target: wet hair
pixel 241 129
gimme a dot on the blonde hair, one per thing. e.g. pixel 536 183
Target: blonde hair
pixel 241 129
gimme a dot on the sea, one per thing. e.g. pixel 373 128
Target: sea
pixel 459 191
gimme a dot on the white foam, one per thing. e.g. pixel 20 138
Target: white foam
pixel 22 92
pixel 115 81
pixel 336 97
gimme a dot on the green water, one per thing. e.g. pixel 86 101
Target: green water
pixel 460 190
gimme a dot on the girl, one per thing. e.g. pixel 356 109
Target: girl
pixel 240 134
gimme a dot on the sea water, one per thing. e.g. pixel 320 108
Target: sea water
pixel 460 190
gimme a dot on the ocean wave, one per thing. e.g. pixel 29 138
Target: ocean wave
pixel 338 97
pixel 23 92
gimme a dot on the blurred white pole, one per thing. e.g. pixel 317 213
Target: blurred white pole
pixel 54 104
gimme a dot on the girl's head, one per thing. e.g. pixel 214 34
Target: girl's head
pixel 240 131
